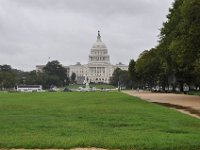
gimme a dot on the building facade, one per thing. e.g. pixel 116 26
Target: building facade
pixel 98 70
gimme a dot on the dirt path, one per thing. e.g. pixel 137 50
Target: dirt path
pixel 187 104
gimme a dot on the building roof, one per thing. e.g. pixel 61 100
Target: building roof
pixel 120 64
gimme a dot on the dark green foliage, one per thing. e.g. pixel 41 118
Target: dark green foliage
pixel 176 58
pixel 196 72
pixel 8 77
pixel 73 77
pixel 53 74
pixel 132 73
pixel 55 68
pixel 5 68
pixel 56 73
pixel 115 77
pixel 146 67
pixel 32 78
pixel 180 38
pixel 120 77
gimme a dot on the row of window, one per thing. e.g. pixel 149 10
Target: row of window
pixel 97 58
pixel 100 79
pixel 99 52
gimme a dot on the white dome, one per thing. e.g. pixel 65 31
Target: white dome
pixel 99 52
pixel 99 44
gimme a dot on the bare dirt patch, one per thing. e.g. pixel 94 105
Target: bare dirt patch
pixel 187 104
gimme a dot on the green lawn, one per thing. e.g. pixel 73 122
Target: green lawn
pixel 194 93
pixel 97 119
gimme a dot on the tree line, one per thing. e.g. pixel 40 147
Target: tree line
pixel 176 59
pixel 53 74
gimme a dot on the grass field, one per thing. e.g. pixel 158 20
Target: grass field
pixel 97 119
pixel 195 93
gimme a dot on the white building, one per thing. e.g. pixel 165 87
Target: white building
pixel 99 69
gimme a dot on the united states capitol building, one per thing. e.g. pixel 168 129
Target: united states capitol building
pixel 98 70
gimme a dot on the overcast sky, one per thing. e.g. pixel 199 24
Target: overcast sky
pixel 31 31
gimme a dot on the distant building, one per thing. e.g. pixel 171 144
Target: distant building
pixel 29 88
pixel 98 70
pixel 39 68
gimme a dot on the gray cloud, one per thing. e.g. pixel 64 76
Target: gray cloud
pixel 33 30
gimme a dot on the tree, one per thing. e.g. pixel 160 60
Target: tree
pixel 132 72
pixel 73 77
pixel 5 68
pixel 56 73
pixel 120 77
pixel 179 47
pixel 115 77
pixel 55 68
pixel 32 78
pixel 148 68
pixel 8 78
pixel 196 73
pixel 124 79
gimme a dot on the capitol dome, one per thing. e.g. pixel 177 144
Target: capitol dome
pixel 99 52
pixel 99 44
